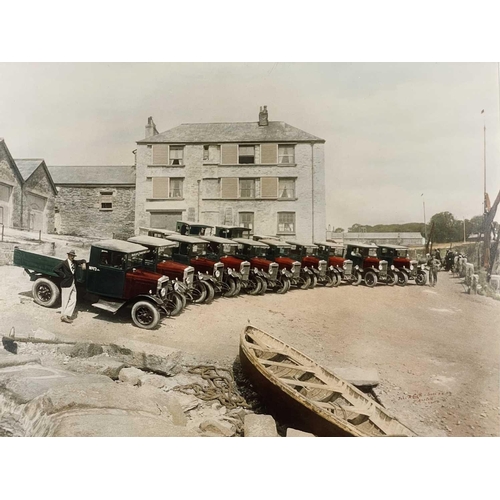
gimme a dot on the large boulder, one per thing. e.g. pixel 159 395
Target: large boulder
pixel 148 357
pixel 256 425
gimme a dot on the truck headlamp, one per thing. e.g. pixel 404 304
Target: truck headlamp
pixel 163 293
pixel 217 273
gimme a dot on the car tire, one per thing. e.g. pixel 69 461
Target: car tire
pixel 370 279
pixel 199 293
pixel 421 279
pixel 392 278
pixel 254 286
pixel 45 292
pixel 305 282
pixel 358 278
pixel 145 315
pixel 232 287
pixel 210 291
pixel 314 281
pixel 174 304
pixel 263 287
pixel 238 288
pixel 283 285
pixel 402 278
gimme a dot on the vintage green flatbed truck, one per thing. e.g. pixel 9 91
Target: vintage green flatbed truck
pixel 113 274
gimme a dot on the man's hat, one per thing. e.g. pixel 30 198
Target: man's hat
pixel 72 252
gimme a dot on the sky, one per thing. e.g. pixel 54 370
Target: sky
pixel 398 135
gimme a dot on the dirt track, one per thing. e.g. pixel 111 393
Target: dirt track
pixel 437 350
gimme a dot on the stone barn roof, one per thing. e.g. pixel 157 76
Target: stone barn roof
pixel 98 175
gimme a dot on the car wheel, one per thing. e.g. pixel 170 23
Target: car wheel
pixel 314 281
pixel 329 280
pixel 263 285
pixel 173 304
pixel 392 278
pixel 254 286
pixel 45 292
pixel 421 279
pixel 238 288
pixel 145 314
pixel 358 278
pixel 402 278
pixel 210 291
pixel 305 281
pixel 283 285
pixel 370 279
pixel 230 286
pixel 199 293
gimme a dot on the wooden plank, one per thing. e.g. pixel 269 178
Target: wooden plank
pixel 287 365
pixel 311 385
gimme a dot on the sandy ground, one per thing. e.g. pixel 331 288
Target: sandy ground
pixel 437 350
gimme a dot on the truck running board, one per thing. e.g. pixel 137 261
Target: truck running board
pixel 108 305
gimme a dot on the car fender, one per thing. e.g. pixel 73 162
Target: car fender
pixel 151 298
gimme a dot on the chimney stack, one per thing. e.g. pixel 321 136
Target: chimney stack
pixel 263 121
pixel 151 128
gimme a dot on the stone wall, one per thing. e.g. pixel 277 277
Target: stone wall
pixel 81 214
pixel 8 177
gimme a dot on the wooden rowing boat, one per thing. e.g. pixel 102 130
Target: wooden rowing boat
pixel 309 397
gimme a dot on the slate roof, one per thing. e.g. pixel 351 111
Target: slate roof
pixel 231 132
pixel 28 166
pixel 118 174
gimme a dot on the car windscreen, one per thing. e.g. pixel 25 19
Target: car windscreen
pixel 199 249
pixel 372 252
pixel 165 253
pixel 402 253
pixel 311 251
pixel 259 251
pixel 283 251
pixel 135 259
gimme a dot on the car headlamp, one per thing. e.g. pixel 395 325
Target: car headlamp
pixel 217 273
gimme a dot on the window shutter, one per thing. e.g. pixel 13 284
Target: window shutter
pixel 160 187
pixel 229 154
pixel 160 154
pixel 269 154
pixel 269 187
pixel 229 187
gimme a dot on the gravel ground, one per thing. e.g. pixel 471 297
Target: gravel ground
pixel 437 350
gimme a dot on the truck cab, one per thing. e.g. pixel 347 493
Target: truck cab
pixel 406 269
pixel 193 229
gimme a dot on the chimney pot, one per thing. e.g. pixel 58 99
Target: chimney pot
pixel 263 117
pixel 151 128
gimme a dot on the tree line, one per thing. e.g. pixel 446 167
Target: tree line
pixel 445 228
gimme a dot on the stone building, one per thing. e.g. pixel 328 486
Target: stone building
pixel 266 175
pixel 394 238
pixel 27 193
pixel 96 202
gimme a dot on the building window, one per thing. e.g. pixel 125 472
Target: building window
pixel 176 155
pixel 246 220
pixel 246 154
pixel 175 189
pixel 206 151
pixel 286 188
pixel 247 188
pixel 286 222
pixel 286 154
pixel 166 187
pixel 106 200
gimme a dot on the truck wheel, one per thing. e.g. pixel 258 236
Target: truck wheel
pixel 263 285
pixel 199 293
pixel 283 285
pixel 238 288
pixel 174 304
pixel 370 279
pixel 392 278
pixel 145 314
pixel 184 300
pixel 358 278
pixel 210 291
pixel 254 286
pixel 314 281
pixel 231 287
pixel 402 278
pixel 45 292
pixel 305 282
pixel 421 279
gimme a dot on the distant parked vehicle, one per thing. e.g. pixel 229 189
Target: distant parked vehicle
pixel 114 274
pixel 308 255
pixel 339 268
pixel 408 269
pixel 367 266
